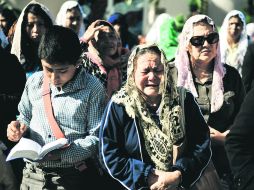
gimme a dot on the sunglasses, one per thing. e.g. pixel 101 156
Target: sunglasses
pixel 200 40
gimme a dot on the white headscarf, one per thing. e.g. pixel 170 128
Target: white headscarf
pixel 242 44
pixel 16 45
pixel 182 61
pixel 250 29
pixel 61 15
pixel 153 35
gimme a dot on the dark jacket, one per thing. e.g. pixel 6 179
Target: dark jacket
pixel 239 145
pixel 13 79
pixel 124 154
pixel 248 68
pixel 221 120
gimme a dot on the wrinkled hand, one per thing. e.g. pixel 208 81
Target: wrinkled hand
pixel 218 137
pixel 161 180
pixel 15 130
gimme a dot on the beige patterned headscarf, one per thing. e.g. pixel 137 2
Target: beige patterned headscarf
pixel 182 61
pixel 158 142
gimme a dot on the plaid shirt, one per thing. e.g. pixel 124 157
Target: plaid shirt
pixel 78 108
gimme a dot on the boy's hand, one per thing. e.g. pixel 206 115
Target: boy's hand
pixel 15 130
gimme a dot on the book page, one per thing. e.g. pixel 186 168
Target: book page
pixel 26 148
pixel 52 146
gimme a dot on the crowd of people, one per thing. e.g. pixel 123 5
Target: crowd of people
pixel 173 111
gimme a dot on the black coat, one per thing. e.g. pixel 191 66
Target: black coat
pixel 12 82
pixel 239 145
pixel 248 68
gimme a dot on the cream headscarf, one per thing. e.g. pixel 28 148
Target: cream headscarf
pixel 16 45
pixel 61 15
pixel 242 44
pixel 182 61
pixel 158 142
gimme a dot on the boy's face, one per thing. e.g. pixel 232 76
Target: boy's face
pixel 57 73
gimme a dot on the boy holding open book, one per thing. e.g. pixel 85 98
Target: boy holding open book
pixel 78 101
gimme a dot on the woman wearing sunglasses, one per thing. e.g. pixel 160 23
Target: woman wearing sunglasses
pixel 217 87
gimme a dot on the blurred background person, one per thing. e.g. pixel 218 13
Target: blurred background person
pixel 12 83
pixel 218 87
pixel 250 32
pixel 169 32
pixel 153 35
pixel 3 39
pixel 129 40
pixel 7 18
pixel 11 35
pixel 71 16
pixel 32 23
pixel 233 39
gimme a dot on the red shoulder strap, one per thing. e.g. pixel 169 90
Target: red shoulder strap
pixel 49 110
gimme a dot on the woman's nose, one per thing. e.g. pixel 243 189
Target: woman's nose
pixel 151 75
pixel 35 28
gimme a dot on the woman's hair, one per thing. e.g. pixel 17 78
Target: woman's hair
pixel 105 23
pixel 150 49
pixel 61 45
pixel 202 22
pixel 11 32
pixel 37 10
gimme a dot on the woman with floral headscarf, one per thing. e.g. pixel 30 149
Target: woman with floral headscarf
pixel 34 20
pixel 217 87
pixel 233 39
pixel 103 55
pixel 145 119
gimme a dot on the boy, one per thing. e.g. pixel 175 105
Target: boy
pixel 78 101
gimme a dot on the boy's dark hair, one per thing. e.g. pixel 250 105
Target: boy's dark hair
pixel 61 45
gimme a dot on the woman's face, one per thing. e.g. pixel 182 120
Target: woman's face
pixel 73 20
pixel 205 53
pixel 35 27
pixel 106 41
pixel 148 74
pixel 235 28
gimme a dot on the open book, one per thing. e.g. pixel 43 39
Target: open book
pixel 27 148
